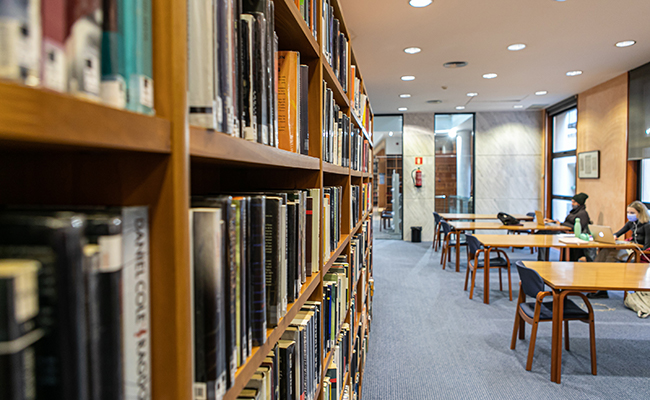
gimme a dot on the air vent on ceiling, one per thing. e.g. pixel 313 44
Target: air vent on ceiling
pixel 434 101
pixel 455 64
pixel 537 107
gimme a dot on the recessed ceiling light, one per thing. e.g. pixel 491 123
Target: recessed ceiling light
pixel 460 108
pixel 390 133
pixel 472 94
pixel 455 64
pixel 626 43
pixel 420 3
pixel 402 109
pixel 541 93
pixel 412 50
pixel 574 73
pixel 405 95
pixel 518 106
pixel 491 75
pixel 408 78
pixel 516 47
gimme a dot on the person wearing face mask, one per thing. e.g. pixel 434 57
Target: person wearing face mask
pixel 579 210
pixel 638 222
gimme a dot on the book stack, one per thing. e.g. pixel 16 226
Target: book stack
pixel 309 12
pixel 100 50
pixel 251 255
pixel 332 196
pixel 336 131
pixel 335 45
pixel 76 290
pixel 339 364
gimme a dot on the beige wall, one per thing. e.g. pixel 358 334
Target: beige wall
pixel 602 125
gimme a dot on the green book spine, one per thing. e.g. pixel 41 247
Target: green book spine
pixel 113 86
pixel 138 68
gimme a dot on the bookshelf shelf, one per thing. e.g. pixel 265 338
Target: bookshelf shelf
pixel 293 32
pixel 345 239
pixel 333 83
pixel 37 116
pixel 246 371
pixel 357 174
pixel 335 169
pixel 222 148
pixel 359 124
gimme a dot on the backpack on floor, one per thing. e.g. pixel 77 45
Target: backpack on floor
pixel 639 302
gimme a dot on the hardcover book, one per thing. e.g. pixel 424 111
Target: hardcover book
pixel 288 100
pixel 20 42
pixel 202 69
pixel 53 63
pixel 138 56
pixel 83 48
pixel 113 86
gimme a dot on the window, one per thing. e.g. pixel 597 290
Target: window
pixel 644 181
pixel 563 162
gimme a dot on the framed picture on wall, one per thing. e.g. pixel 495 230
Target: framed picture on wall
pixel 589 165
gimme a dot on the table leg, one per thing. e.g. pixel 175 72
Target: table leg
pixel 486 276
pixel 556 340
pixel 558 351
pixel 457 251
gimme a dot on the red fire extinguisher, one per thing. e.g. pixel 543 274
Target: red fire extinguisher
pixel 417 179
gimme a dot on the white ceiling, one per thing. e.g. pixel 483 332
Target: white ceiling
pixel 561 36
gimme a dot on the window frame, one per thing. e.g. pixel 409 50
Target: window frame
pixel 552 112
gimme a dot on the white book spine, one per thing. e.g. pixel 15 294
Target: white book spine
pixel 136 307
pixel 201 69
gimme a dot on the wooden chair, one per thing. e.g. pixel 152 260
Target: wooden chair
pixel 474 251
pixel 437 233
pixel 539 311
pixel 449 242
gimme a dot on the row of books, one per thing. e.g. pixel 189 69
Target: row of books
pixel 76 312
pixel 366 204
pixel 332 197
pixel 240 84
pixel 251 254
pixel 335 45
pixel 357 364
pixel 337 131
pixel 309 12
pixel 100 50
pixel 361 152
pixel 336 299
pixel 334 382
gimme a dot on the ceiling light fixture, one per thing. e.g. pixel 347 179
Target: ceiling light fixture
pixel 541 93
pixel 472 94
pixel 491 75
pixel 436 101
pixel 626 43
pixel 518 106
pixel 420 3
pixel 402 109
pixel 574 73
pixel 408 78
pixel 405 95
pixel 412 50
pixel 390 133
pixel 516 47
pixel 460 107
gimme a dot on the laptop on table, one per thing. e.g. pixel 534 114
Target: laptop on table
pixel 603 234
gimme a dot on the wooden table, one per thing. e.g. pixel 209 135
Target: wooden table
pixel 463 226
pixel 455 217
pixel 544 241
pixel 566 277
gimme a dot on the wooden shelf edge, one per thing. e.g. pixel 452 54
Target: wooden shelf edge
pixel 40 116
pixel 246 371
pixel 333 83
pixel 218 146
pixel 356 174
pixel 335 169
pixel 345 239
pixel 357 121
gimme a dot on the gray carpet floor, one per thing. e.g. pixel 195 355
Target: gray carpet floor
pixel 429 341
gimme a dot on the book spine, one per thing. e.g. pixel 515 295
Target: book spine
pixel 225 55
pixel 260 84
pixel 20 41
pixel 138 61
pixel 201 69
pixel 231 291
pixel 288 101
pixel 249 102
pixel 136 309
pixel 258 273
pixel 272 262
pixel 83 48
pixel 304 109
pixel 113 86
pixel 292 252
pixel 53 63
pixel 270 71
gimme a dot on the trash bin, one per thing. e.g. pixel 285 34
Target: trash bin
pixel 416 234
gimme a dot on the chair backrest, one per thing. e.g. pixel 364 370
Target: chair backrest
pixel 445 227
pixel 532 214
pixel 531 282
pixel 473 245
pixel 436 217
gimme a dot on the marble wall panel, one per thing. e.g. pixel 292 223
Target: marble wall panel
pixel 509 133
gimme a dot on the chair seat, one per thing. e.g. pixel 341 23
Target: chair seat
pixel 571 310
pixel 494 262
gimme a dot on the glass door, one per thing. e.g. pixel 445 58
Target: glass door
pixel 563 163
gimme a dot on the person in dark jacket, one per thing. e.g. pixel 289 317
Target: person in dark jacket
pixel 638 222
pixel 579 210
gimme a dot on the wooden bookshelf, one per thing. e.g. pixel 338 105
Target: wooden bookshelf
pixel 57 149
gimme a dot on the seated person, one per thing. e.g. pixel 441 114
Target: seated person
pixel 579 210
pixel 638 223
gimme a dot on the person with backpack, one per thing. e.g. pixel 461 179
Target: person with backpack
pixel 638 222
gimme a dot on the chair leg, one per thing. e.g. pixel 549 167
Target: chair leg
pixel 509 282
pixel 471 290
pixel 592 340
pixel 500 281
pixel 467 274
pixel 531 346
pixel 515 328
pixel 443 248
pixel 566 336
pixel 522 331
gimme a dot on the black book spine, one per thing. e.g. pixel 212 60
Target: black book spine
pixel 269 14
pixel 292 252
pixel 304 109
pixel 230 280
pixel 272 261
pixel 247 111
pixel 287 360
pixel 249 278
pixel 258 270
pixel 260 82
